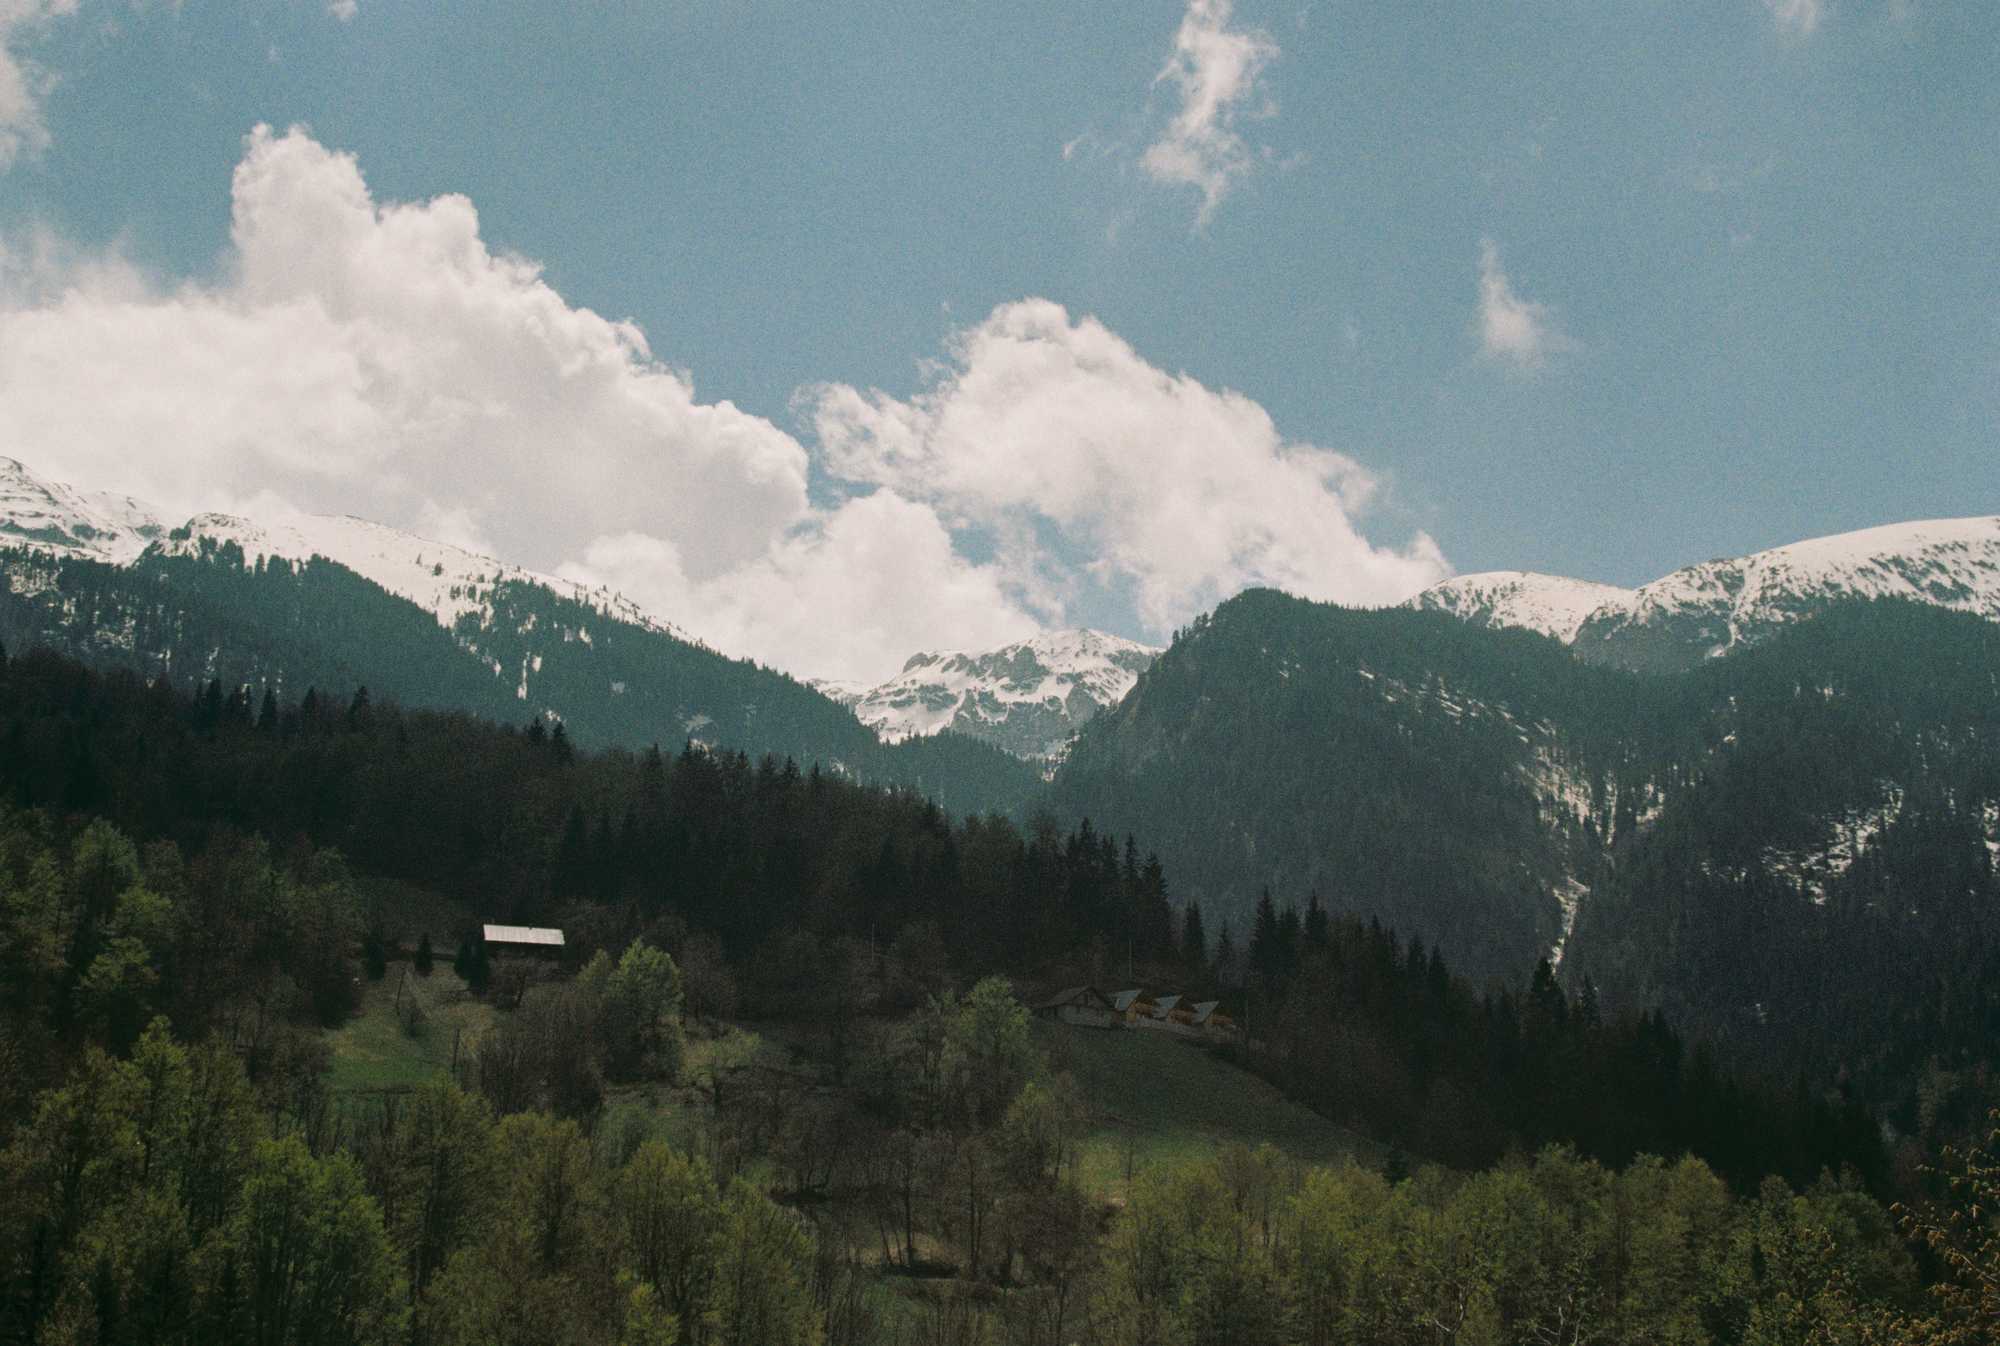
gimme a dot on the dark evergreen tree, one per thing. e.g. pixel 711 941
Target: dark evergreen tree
pixel 375 954
pixel 1194 941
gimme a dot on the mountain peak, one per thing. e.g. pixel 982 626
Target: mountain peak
pixel 1027 697
pixel 53 516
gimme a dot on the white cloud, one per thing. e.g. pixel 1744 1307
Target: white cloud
pixel 1054 439
pixel 371 358
pixel 1214 70
pixel 23 84
pixel 382 360
pixel 344 10
pixel 850 595
pixel 1796 16
pixel 1512 330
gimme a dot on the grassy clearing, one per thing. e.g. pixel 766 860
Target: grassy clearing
pixel 1156 1099
pixel 371 1051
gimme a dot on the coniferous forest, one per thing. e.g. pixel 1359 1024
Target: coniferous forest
pixel 200 886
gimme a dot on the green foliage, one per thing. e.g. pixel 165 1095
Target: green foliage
pixel 642 1015
pixel 308 1250
pixel 760 1295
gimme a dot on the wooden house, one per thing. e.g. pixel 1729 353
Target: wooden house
pixel 1084 1006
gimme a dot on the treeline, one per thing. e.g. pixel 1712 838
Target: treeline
pixel 518 825
pixel 1383 1036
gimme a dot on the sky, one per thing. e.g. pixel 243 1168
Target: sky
pixel 835 333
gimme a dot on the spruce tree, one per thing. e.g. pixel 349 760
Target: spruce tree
pixel 423 958
pixel 1194 941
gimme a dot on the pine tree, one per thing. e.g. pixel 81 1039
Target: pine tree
pixel 1194 941
pixel 1226 970
pixel 478 971
pixel 1264 957
pixel 423 958
pixel 1316 930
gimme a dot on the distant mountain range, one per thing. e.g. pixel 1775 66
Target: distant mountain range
pixel 1761 793
pixel 341 603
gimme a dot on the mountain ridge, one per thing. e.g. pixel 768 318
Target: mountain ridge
pixel 1715 607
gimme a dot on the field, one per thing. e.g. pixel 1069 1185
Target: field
pixel 1156 1098
pixel 372 1052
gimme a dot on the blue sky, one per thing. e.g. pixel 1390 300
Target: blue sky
pixel 1027 313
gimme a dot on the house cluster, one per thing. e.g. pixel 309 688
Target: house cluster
pixel 1088 1007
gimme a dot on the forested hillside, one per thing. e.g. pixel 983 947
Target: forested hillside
pixel 178 929
pixel 1791 849
pixel 523 650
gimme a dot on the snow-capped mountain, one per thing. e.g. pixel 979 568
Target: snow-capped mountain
pixel 1550 604
pixel 1027 698
pixel 1718 606
pixel 1709 609
pixel 53 517
pixel 447 581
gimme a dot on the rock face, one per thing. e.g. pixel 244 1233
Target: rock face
pixel 1716 607
pixel 1027 698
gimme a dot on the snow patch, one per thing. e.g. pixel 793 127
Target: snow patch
pixel 1569 897
pixel 1815 868
pixel 1550 604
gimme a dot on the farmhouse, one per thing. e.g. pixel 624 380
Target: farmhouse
pixel 1174 1014
pixel 1132 1006
pixel 533 941
pixel 1085 1006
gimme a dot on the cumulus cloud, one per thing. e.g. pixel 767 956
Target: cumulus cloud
pixel 382 360
pixel 1796 16
pixel 1513 331
pixel 1053 438
pixel 344 10
pixel 851 595
pixel 1214 72
pixel 23 84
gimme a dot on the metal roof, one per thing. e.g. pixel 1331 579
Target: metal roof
pixel 523 934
